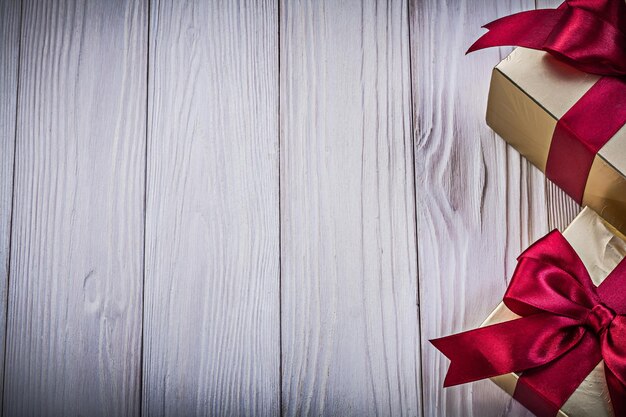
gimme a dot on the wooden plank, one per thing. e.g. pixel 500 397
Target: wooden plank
pixel 479 205
pixel 10 16
pixel 211 340
pixel 350 328
pixel 74 317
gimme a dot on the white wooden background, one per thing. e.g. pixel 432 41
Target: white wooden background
pixel 263 207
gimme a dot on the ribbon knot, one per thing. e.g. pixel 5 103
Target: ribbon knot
pixel 600 318
pixel 567 326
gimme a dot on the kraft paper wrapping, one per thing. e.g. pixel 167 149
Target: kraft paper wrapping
pixel 601 247
pixel 530 91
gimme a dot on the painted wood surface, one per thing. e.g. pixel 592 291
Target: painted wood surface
pixel 253 207
pixel 212 322
pixel 10 19
pixel 350 329
pixel 74 314
pixel 479 204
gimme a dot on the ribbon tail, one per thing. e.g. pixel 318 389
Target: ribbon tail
pixel 529 29
pixel 617 390
pixel 544 390
pixel 614 354
pixel 504 348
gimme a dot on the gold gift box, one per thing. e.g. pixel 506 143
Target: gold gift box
pixel 600 247
pixel 530 91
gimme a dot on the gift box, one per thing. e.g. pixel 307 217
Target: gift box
pixel 560 97
pixel 530 92
pixel 562 321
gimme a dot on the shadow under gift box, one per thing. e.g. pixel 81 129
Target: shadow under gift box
pixel 530 91
pixel 601 248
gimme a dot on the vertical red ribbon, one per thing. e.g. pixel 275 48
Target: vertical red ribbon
pixel 583 131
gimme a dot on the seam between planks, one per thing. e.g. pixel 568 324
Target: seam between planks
pixel 10 231
pixel 415 203
pixel 145 205
pixel 280 217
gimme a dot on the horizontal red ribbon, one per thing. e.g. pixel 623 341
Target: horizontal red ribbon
pixel 589 35
pixel 567 327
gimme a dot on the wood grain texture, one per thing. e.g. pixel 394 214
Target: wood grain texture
pixel 289 185
pixel 350 328
pixel 10 18
pixel 74 317
pixel 479 203
pixel 211 339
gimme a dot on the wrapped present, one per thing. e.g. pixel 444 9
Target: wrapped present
pixel 557 342
pixel 560 98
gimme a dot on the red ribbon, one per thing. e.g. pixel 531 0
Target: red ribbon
pixel 567 327
pixel 589 35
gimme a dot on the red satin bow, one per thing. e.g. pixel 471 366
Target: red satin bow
pixel 567 327
pixel 587 34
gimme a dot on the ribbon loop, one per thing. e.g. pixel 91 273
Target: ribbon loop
pixel 585 40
